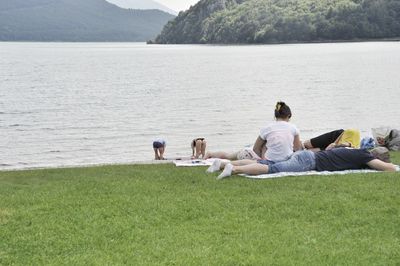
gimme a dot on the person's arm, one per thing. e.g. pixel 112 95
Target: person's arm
pixel 338 139
pixel 343 145
pixel 258 146
pixel 263 151
pixel 381 165
pixel 297 146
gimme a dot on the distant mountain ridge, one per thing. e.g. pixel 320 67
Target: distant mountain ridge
pixel 142 4
pixel 77 20
pixel 277 21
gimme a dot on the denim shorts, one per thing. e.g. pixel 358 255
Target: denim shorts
pixel 266 162
pixel 300 161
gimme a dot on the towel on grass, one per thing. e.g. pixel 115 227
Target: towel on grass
pixel 191 162
pixel 282 174
pixel 195 162
pixel 208 162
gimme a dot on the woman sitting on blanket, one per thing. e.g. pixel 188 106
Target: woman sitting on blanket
pixel 336 159
pixel 275 143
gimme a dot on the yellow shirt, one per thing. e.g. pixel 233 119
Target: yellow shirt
pixel 351 136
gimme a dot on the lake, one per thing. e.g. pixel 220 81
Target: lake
pixel 67 104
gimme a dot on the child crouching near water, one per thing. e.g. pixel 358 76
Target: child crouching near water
pixel 159 149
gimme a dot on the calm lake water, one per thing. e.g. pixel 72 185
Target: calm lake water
pixel 65 104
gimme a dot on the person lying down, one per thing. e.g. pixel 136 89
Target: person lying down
pixel 329 160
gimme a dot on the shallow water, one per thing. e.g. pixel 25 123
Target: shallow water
pixel 65 104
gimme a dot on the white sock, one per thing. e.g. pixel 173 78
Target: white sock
pixel 227 171
pixel 215 166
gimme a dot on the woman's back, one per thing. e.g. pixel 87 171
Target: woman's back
pixel 279 137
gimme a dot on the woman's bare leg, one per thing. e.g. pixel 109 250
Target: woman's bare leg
pixel 198 148
pixel 203 148
pixel 249 169
pixel 243 162
pixel 220 155
pixel 219 164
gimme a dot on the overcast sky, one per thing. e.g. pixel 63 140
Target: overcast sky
pixel 178 5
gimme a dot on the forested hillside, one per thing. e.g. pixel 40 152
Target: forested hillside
pixel 274 21
pixel 76 20
pixel 142 4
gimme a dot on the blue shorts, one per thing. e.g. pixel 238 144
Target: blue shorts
pixel 300 161
pixel 157 145
pixel 266 162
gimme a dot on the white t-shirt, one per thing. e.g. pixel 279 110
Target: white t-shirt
pixel 279 136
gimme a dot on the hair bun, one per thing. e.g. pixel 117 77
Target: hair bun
pixel 282 110
pixel 279 105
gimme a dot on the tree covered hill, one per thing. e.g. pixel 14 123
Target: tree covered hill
pixel 274 21
pixel 76 20
pixel 142 4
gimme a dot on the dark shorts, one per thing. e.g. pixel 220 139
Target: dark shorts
pixel 157 145
pixel 195 140
pixel 324 140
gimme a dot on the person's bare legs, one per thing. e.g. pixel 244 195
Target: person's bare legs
pixel 243 162
pixel 237 163
pixel 162 149
pixel 220 155
pixel 156 155
pixel 203 148
pixel 198 148
pixel 249 169
pixel 219 164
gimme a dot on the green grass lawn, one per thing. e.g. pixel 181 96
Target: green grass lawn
pixel 162 214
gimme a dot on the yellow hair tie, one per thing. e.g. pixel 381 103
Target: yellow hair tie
pixel 278 107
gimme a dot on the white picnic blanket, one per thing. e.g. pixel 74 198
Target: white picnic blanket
pixel 191 162
pixel 195 162
pixel 208 162
pixel 282 174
